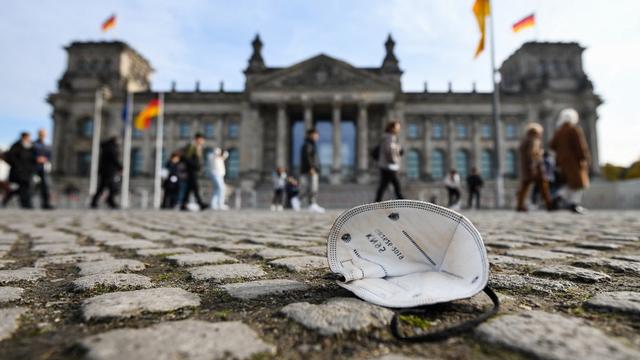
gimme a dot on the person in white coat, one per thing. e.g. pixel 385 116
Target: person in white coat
pixel 217 170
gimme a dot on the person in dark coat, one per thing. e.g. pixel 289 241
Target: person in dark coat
pixel 531 167
pixel 389 159
pixel 310 170
pixel 192 158
pixel 43 156
pixel 22 159
pixel 572 158
pixel 474 185
pixel 108 169
pixel 176 175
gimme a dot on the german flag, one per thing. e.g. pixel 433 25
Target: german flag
pixel 109 24
pixel 525 23
pixel 143 120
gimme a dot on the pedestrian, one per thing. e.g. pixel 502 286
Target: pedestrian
pixel 176 176
pixel 531 167
pixel 217 170
pixel 452 184
pixel 310 170
pixel 43 168
pixel 549 174
pixel 21 157
pixel 4 175
pixel 108 169
pixel 389 155
pixel 474 185
pixel 292 190
pixel 192 158
pixel 279 183
pixel 572 159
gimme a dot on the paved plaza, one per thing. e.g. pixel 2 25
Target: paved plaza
pixel 248 284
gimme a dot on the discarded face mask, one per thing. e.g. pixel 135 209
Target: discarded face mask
pixel 404 254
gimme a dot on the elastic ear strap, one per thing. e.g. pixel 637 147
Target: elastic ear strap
pixel 448 332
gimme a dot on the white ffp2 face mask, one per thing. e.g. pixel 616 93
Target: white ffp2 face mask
pixel 405 253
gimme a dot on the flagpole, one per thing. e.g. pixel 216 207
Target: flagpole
pixel 95 143
pixel 126 153
pixel 497 124
pixel 159 137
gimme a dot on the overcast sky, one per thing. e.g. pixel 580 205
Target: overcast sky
pixel 209 41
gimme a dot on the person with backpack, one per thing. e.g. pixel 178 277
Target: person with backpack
pixel 310 170
pixel 108 169
pixel 474 186
pixel 22 159
pixel 176 176
pixel 217 171
pixel 388 154
pixel 192 159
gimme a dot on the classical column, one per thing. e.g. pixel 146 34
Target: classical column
pixel 281 131
pixel 451 139
pixel 476 129
pixel 593 142
pixel 362 150
pixel 426 150
pixel 308 116
pixel 219 131
pixel 336 168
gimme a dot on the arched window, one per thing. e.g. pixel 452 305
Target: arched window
pixel 462 163
pixel 510 163
pixel 413 165
pixel 85 128
pixel 233 164
pixel 486 164
pixel 437 164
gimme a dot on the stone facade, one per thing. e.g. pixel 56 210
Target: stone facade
pixel 263 125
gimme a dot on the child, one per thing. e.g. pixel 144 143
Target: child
pixel 279 183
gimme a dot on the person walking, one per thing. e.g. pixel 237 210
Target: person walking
pixel 4 175
pixel 43 168
pixel 108 169
pixel 279 183
pixel 452 184
pixel 22 159
pixel 176 176
pixel 531 167
pixel 572 159
pixel 217 170
pixel 474 185
pixel 310 170
pixel 389 155
pixel 192 158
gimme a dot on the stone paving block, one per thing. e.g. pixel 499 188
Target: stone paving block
pixel 338 315
pixel 254 289
pixel 315 250
pixel 74 258
pixel 10 321
pixel 545 335
pixel 281 242
pixel 507 260
pixel 617 301
pixel 576 251
pixel 634 258
pixel 621 266
pixel 202 258
pixel 236 247
pixel 109 266
pixel 598 245
pixel 5 263
pixel 572 273
pixel 271 253
pixel 8 293
pixel 164 251
pixel 59 249
pixel 517 282
pixel 126 304
pixel 133 244
pixel 539 254
pixel 22 274
pixel 302 263
pixel 109 280
pixel 229 271
pixel 185 339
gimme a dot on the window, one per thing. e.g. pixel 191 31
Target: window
pixel 86 128
pixel 84 163
pixel 437 164
pixel 511 131
pixel 413 165
pixel 232 130
pixel 205 156
pixel 209 130
pixel 486 164
pixel 136 161
pixel 184 130
pixel 462 163
pixel 137 133
pixel 233 164
pixel 437 131
pixel 462 131
pixel 486 131
pixel 510 163
pixel 413 130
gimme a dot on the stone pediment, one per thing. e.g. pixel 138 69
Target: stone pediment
pixel 322 72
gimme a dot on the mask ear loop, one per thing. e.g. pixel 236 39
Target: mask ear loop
pixel 448 332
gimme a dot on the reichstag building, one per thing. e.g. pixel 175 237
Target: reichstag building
pixel 263 125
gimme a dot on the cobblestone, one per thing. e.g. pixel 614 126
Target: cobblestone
pixel 618 301
pixel 200 259
pixel 22 274
pixel 109 266
pixel 10 320
pixel 9 293
pixel 302 263
pixel 117 281
pixel 222 272
pixel 254 289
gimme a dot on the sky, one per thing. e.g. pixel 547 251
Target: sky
pixel 209 41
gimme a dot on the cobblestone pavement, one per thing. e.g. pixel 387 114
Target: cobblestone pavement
pixel 166 285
